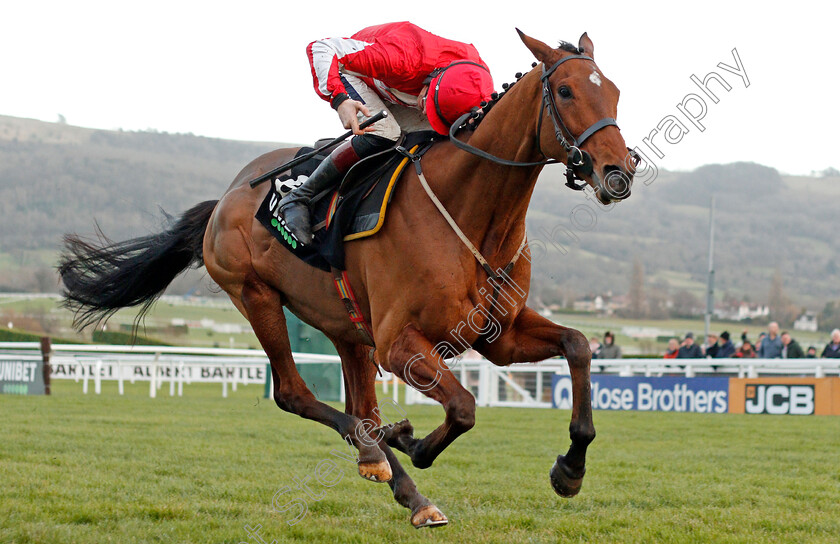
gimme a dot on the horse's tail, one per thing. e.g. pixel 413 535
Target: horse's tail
pixel 100 277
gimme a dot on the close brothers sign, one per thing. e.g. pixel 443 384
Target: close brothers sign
pixel 793 396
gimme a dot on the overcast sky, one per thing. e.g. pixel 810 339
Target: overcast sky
pixel 238 70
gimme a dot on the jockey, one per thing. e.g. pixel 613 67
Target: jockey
pixel 397 63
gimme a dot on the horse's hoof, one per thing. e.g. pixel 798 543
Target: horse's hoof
pixel 565 481
pixel 391 433
pixel 428 516
pixel 376 472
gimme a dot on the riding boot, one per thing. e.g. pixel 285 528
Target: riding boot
pixel 294 207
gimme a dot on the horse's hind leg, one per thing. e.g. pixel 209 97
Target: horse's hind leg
pixel 264 307
pixel 360 382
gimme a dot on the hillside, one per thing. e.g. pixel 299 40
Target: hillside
pixel 764 222
pixel 56 178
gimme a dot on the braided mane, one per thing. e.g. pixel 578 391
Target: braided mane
pixel 478 114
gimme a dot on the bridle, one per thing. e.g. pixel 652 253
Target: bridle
pixel 578 162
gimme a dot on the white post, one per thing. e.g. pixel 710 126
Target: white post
pixel 97 378
pixel 224 382
pixel 751 373
pixel 396 390
pixel 158 379
pixel 493 383
pixel 171 378
pixel 689 370
pixel 384 383
pixel 482 384
pixel 233 382
pixel 819 372
pixel 120 383
pixel 539 395
pixel 181 378
pixel 627 370
pixel 153 366
pixel 85 373
pixel 341 392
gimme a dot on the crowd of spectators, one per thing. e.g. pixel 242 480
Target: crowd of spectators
pixel 769 345
pixel 772 344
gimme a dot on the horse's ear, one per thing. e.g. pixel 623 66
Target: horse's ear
pixel 540 50
pixel 585 45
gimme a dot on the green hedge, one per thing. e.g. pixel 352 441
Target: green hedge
pixel 118 338
pixel 12 335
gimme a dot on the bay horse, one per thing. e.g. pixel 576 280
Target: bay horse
pixel 424 292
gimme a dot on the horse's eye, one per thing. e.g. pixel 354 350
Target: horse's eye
pixel 564 91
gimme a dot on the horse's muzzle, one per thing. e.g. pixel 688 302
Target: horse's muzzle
pixel 616 184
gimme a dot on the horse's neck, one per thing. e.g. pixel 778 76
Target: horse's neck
pixel 489 201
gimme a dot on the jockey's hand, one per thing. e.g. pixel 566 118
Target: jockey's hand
pixel 347 113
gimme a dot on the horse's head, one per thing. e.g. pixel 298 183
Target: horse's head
pixel 577 120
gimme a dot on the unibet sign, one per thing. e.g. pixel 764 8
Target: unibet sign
pixel 19 377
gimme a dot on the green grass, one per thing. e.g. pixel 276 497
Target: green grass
pixel 197 469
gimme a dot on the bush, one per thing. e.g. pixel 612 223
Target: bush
pixel 124 339
pixel 11 335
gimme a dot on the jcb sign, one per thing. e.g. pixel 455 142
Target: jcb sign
pixel 783 396
pixel 797 400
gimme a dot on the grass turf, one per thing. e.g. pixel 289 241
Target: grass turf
pixel 81 469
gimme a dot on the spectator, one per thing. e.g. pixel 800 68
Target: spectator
pixel 746 351
pixel 609 350
pixel 811 353
pixel 711 348
pixel 832 349
pixel 673 349
pixel 595 346
pixel 757 344
pixel 689 349
pixel 727 349
pixel 771 345
pixel 791 348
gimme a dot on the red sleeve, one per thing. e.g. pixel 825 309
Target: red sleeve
pixel 324 58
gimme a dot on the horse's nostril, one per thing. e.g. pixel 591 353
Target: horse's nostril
pixel 616 182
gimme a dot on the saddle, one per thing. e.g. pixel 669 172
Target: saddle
pixel 356 209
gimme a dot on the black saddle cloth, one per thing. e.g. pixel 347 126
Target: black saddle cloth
pixel 355 210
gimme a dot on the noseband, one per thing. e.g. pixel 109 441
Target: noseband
pixel 578 162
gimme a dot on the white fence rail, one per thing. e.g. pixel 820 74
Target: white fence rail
pixel 157 365
pixel 530 385
pixel 526 385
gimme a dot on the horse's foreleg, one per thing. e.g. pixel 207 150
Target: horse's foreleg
pixel 264 308
pixel 413 358
pixel 360 383
pixel 534 338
